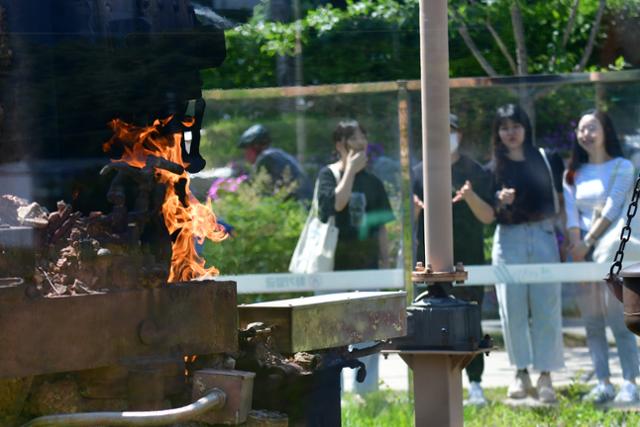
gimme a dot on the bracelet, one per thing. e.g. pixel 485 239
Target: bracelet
pixel 589 240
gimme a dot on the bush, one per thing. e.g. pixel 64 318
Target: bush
pixel 266 228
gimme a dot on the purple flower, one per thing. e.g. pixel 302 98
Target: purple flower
pixel 225 184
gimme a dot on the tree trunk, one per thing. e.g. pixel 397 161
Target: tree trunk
pixel 592 37
pixel 522 62
pixel 522 57
pixel 280 11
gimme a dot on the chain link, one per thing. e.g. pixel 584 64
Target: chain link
pixel 625 234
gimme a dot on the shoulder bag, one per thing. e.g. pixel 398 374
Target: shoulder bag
pixel 556 202
pixel 316 247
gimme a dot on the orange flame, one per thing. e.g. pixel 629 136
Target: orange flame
pixel 186 216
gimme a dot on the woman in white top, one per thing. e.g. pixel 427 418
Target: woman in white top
pixel 596 184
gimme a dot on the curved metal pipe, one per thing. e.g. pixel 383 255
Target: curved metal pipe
pixel 215 399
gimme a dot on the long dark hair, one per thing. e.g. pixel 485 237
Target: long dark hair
pixel 611 144
pixel 516 114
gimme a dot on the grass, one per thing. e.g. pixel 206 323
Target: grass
pixel 395 408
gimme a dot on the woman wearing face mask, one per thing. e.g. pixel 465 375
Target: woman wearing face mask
pixel 361 208
pixel 526 184
pixel 596 185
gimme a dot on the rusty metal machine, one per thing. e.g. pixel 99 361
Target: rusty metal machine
pixel 108 316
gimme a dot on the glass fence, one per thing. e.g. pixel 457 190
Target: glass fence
pixel 301 122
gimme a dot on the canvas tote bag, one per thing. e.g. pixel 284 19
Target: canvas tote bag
pixel 316 247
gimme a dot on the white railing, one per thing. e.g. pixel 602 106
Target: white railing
pixel 393 278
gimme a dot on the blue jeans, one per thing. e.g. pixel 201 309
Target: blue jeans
pixel 600 308
pixel 531 314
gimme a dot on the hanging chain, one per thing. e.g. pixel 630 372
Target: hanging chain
pixel 625 234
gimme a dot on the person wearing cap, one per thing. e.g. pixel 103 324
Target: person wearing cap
pixel 471 196
pixel 282 168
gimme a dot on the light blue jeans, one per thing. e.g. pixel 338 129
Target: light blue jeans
pixel 599 308
pixel 531 314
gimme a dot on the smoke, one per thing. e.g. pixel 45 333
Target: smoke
pixel 207 16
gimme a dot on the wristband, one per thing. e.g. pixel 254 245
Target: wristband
pixel 589 240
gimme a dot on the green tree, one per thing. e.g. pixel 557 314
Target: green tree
pixel 373 40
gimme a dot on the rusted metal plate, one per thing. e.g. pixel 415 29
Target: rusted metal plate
pixel 334 320
pixel 238 387
pixel 71 333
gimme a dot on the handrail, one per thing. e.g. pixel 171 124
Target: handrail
pixel 413 85
pixel 363 280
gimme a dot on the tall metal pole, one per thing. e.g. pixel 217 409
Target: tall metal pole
pixel 404 123
pixel 301 128
pixel 434 75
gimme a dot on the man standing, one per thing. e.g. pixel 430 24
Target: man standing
pixel 282 168
pixel 471 192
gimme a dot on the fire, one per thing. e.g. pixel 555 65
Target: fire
pixel 186 219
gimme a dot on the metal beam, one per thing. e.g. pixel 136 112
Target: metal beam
pixel 46 335
pixel 626 76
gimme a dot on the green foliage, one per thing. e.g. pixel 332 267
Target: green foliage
pixel 267 226
pixel 395 408
pixel 544 25
pixel 225 122
pixel 369 40
pixel 381 408
pixel 220 144
pixel 378 40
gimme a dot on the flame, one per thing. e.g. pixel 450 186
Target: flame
pixel 186 219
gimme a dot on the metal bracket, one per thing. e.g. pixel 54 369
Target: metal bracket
pixel 427 275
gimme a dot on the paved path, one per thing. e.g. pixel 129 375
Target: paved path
pixel 498 372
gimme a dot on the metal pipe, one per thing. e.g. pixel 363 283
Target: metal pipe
pixel 215 399
pixel 436 157
pixel 626 76
pixel 301 126
pixel 404 123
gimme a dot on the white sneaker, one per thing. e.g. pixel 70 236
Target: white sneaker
pixel 476 395
pixel 521 386
pixel 544 387
pixel 602 393
pixel 628 393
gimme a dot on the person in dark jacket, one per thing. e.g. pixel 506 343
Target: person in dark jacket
pixel 471 198
pixel 282 168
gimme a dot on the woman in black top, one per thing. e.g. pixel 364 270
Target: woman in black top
pixel 526 184
pixel 361 208
pixel 358 201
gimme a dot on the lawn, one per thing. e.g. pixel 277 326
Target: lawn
pixel 394 408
